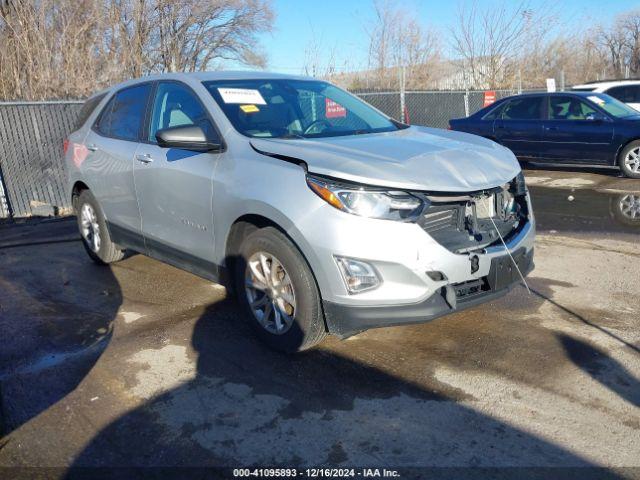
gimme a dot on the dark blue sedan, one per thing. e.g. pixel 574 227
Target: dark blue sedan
pixel 567 127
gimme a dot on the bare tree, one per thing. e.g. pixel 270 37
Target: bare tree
pixel 629 22
pixel 397 40
pixel 69 48
pixel 490 42
pixel 195 33
pixel 614 42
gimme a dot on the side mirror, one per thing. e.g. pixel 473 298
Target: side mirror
pixel 596 117
pixel 186 137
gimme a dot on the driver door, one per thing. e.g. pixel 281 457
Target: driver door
pixel 174 187
pixel 576 132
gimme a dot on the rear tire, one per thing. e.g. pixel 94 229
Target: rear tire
pixel 629 160
pixel 278 292
pixel 94 232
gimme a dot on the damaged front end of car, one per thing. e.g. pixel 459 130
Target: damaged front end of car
pixel 471 222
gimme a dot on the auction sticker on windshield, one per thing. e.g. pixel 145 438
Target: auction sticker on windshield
pixel 241 95
pixel 249 108
pixel 596 100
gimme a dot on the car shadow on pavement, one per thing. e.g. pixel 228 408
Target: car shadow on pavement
pixel 602 368
pixel 244 404
pixel 56 317
pixel 247 405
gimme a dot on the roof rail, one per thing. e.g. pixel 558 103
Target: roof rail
pixel 604 80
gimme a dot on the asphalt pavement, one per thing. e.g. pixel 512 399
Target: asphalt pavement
pixel 140 364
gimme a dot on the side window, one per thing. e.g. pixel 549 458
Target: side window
pixel 87 109
pixel 633 93
pixel 528 108
pixel 176 105
pixel 568 108
pixel 103 123
pixel 620 93
pixel 128 112
pixel 495 113
pixel 123 115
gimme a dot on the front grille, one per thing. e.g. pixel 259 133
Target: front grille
pixel 469 222
pixel 440 218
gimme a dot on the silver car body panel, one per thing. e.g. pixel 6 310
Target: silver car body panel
pixel 175 191
pixel 190 204
pixel 110 171
pixel 416 158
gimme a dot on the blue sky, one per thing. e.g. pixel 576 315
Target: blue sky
pixel 340 24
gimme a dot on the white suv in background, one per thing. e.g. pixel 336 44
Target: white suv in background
pixel 627 91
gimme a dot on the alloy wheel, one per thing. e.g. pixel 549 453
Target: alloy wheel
pixel 89 227
pixel 270 293
pixel 632 160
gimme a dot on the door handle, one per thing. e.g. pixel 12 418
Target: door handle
pixel 92 148
pixel 144 158
pixel 548 129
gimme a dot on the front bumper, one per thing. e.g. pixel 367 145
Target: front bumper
pixel 344 320
pixel 405 256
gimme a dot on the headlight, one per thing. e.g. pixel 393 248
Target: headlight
pixel 519 185
pixel 369 202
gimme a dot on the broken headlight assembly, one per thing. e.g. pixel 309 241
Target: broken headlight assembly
pixel 518 185
pixel 369 202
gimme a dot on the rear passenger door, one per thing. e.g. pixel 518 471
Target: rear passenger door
pixel 519 127
pixel 175 187
pixel 112 143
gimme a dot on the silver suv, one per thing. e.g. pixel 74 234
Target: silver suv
pixel 323 214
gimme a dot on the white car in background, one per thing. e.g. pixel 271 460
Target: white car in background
pixel 627 91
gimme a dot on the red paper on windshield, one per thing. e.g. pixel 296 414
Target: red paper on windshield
pixel 333 109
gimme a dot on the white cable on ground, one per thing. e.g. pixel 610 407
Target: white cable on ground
pixel 505 245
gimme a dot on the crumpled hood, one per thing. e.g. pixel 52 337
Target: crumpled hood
pixel 416 158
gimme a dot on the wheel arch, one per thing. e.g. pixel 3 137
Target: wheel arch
pixel 621 148
pixel 78 187
pixel 249 223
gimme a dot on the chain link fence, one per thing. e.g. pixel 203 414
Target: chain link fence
pixel 32 174
pixel 31 166
pixel 430 108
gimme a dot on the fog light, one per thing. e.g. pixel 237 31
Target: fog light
pixel 437 276
pixel 358 276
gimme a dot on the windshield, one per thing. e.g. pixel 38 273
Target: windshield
pixel 612 106
pixel 285 108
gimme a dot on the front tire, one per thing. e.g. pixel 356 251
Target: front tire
pixel 278 292
pixel 629 160
pixel 93 230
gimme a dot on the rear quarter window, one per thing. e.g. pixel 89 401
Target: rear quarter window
pixel 87 109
